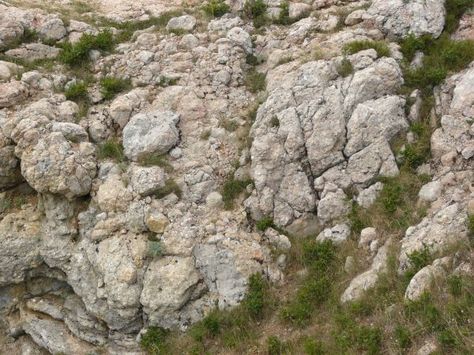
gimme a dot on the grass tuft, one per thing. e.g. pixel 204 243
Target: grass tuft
pixel 77 54
pixel 345 68
pixel 111 149
pixel 380 47
pixel 216 8
pixel 255 81
pixel 231 190
pixel 154 341
pixel 111 86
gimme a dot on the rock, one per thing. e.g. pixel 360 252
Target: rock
pixel 423 279
pixel 52 335
pixel 214 200
pixel 9 167
pixel 384 117
pixel 52 29
pixel 71 131
pixel 400 18
pixel 112 194
pixel 150 133
pixel 58 166
pixel 34 51
pixel 7 70
pixel 10 30
pixel 368 279
pixel 277 240
pixel 430 191
pixel 367 236
pixel 376 159
pixel 12 93
pixel 146 180
pixel 157 222
pixel 368 196
pixel 436 232
pixel 333 205
pixel 337 234
pixel 298 10
pixel 241 38
pixel 168 285
pixel 429 347
pixel 355 17
pixel 182 23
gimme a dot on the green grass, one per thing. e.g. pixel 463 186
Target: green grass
pixel 111 86
pixel 111 149
pixel 77 92
pixel 216 8
pixel 77 54
pixel 470 225
pixel 257 11
pixel 454 10
pixel 345 68
pixel 255 301
pixel 154 341
pixel 231 190
pixel 255 81
pixel 265 223
pixel 380 47
pixel 160 160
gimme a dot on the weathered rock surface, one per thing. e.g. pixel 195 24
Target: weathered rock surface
pixel 150 133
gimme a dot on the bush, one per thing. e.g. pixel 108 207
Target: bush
pixel 111 86
pixel 255 81
pixel 77 92
pixel 78 53
pixel 284 15
pixel 263 224
pixel 112 149
pixel 256 10
pixel 216 8
pixel 231 190
pixel 155 248
pixel 402 337
pixel 369 339
pixel 313 347
pixel 345 68
pixel 154 341
pixel 454 10
pixel 319 256
pixel 255 300
pixel 274 346
pixel 356 46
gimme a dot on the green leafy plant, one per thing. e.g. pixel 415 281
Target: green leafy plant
pixel 216 8
pixel 78 53
pixel 111 149
pixel 345 68
pixel 111 86
pixel 380 47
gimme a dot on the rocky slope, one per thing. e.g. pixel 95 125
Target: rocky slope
pixel 122 212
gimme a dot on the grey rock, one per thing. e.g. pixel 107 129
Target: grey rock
pixel 337 234
pixel 430 191
pixel 182 23
pixel 150 133
pixel 12 93
pixel 146 180
pixel 34 51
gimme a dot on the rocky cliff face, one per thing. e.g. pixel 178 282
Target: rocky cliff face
pixel 134 209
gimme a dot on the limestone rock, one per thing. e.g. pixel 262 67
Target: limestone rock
pixel 369 278
pixel 150 133
pixel 12 93
pixel 182 23
pixel 337 234
pixel 147 180
pixel 421 282
pixel 417 17
pixel 430 191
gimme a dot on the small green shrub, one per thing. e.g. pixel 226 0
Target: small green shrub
pixel 319 256
pixel 454 10
pixel 154 341
pixel 380 47
pixel 170 187
pixel 369 339
pixel 111 149
pixel 470 225
pixel 263 224
pixel 424 311
pixel 447 340
pixel 77 92
pixel 155 248
pixel 255 81
pixel 455 285
pixel 345 68
pixel 78 53
pixel 255 300
pixel 274 346
pixel 216 8
pixel 231 190
pixel 402 337
pixel 284 15
pixel 256 10
pixel 313 347
pixel 111 86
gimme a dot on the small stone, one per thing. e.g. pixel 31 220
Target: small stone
pixel 430 191
pixel 182 23
pixel 367 235
pixel 157 222
pixel 214 200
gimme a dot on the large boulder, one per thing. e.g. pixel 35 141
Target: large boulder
pixel 150 133
pixel 12 93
